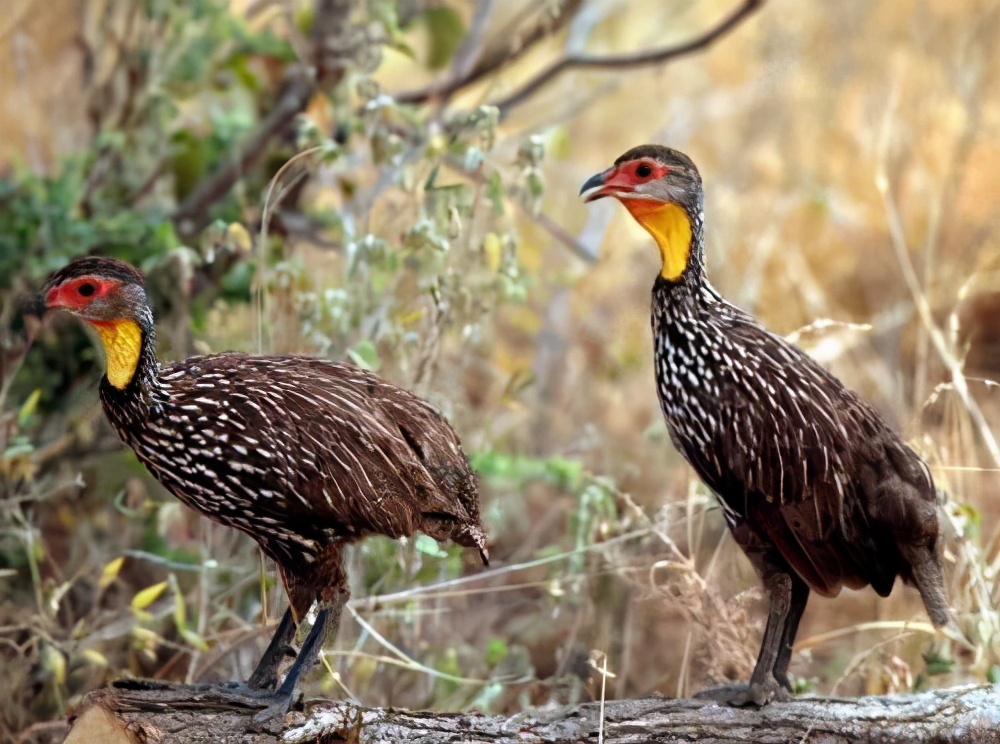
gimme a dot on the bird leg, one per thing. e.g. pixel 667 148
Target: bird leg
pixel 265 676
pixel 327 623
pixel 797 605
pixel 764 686
pixel 326 583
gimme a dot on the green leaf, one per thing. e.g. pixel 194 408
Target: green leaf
pixel 494 191
pixel 52 663
pixel 180 610
pixel 364 354
pixel 446 31
pixel 19 447
pixel 937 664
pixel 429 184
pixel 29 407
pixel 496 651
pixel 566 472
pixel 429 546
pixel 970 512
pixel 193 639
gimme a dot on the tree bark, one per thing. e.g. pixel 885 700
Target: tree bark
pixel 171 715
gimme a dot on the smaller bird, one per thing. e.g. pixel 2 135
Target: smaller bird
pixel 304 455
pixel 818 491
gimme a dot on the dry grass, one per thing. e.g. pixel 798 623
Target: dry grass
pixel 851 154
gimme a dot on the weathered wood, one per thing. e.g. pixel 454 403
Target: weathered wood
pixel 174 715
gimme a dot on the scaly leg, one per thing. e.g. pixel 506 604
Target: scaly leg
pixel 327 623
pixel 326 582
pixel 799 597
pixel 763 687
pixel 265 676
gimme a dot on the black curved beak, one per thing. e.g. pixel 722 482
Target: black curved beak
pixel 593 187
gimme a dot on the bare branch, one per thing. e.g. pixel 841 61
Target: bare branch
pixel 627 61
pixel 471 50
pixel 299 87
pixel 490 61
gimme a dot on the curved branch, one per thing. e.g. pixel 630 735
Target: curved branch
pixel 298 88
pixel 627 61
pixel 491 61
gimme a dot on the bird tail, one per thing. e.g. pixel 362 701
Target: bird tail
pixel 476 537
pixel 927 577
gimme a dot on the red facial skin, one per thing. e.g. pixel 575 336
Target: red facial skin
pixel 623 178
pixel 68 295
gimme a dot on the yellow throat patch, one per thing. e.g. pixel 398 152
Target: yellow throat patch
pixel 671 229
pixel 122 346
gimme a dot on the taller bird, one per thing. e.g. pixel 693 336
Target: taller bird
pixel 818 491
pixel 304 455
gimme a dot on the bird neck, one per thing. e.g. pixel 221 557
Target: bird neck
pixel 678 231
pixel 130 352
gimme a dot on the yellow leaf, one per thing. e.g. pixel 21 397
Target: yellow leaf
pixel 143 639
pixel 147 596
pixel 411 318
pixel 94 657
pixel 238 237
pixel 180 609
pixel 193 639
pixel 110 571
pixel 29 407
pixel 54 663
pixel 493 249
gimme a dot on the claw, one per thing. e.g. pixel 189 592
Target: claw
pixel 277 709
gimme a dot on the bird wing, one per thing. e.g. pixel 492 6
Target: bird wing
pixel 800 457
pixel 307 447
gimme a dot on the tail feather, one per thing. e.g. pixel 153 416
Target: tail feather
pixel 925 570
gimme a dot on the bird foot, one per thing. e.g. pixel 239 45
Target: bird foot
pixel 269 704
pixel 279 704
pixel 274 704
pixel 743 695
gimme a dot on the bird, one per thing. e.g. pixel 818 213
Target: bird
pixel 305 455
pixel 816 488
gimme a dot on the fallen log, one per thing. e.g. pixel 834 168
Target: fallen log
pixel 171 714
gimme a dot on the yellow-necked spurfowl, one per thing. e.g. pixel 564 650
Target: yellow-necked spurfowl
pixel 816 488
pixel 304 455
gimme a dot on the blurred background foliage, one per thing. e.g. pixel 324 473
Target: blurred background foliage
pixel 378 180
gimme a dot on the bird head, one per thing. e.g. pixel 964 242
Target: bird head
pixel 98 290
pixel 661 189
pixel 110 296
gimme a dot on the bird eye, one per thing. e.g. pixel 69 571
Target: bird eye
pixel 643 171
pixel 86 289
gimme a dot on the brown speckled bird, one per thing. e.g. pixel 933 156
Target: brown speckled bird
pixel 304 455
pixel 816 489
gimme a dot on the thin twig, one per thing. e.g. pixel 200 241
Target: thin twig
pixel 471 49
pixel 940 344
pixel 190 216
pixel 302 82
pixel 627 61
pixel 541 219
pixel 489 63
